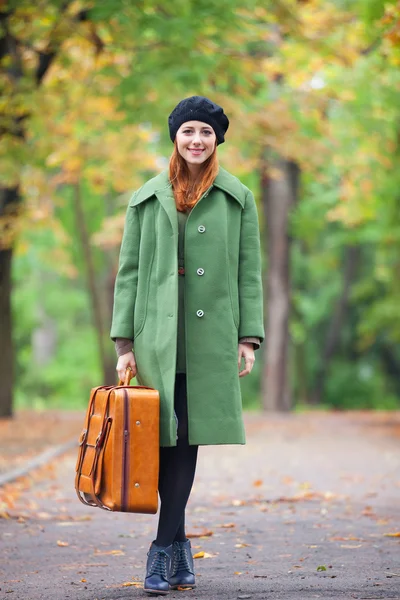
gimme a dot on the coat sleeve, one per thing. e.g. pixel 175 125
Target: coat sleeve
pixel 250 340
pixel 127 277
pixel 250 279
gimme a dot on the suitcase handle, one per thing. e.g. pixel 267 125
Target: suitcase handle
pixel 128 376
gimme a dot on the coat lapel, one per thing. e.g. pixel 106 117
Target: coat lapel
pixel 160 187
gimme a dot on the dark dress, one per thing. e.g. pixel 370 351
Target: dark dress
pixel 180 397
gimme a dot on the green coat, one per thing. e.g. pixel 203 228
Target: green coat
pixel 223 303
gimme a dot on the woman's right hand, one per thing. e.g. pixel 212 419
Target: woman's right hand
pixel 126 360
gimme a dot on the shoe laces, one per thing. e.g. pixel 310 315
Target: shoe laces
pixel 159 564
pixel 181 560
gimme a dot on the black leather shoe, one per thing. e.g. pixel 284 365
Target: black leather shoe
pixel 158 569
pixel 182 572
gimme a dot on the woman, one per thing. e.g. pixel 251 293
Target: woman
pixel 188 298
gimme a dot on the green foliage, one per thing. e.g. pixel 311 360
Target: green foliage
pixel 315 81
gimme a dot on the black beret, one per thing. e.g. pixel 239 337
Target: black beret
pixel 199 108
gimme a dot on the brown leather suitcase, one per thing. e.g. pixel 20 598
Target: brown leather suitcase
pixel 118 457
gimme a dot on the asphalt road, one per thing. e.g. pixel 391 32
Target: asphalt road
pixel 309 508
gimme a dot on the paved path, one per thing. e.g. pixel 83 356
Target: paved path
pixel 307 491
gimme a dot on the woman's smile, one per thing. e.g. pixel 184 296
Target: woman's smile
pixel 196 151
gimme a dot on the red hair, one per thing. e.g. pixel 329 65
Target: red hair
pixel 186 191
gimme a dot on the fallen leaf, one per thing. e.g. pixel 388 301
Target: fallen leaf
pixel 350 545
pixel 204 533
pixel 203 554
pixel 181 588
pixel 134 583
pixel 238 572
pixel 60 543
pixel 321 568
pixel 83 580
pixel 395 534
pixel 241 545
pixel 227 525
pixel 258 483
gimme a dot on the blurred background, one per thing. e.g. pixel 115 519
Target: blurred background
pixel 312 91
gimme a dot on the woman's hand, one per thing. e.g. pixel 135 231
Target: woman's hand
pixel 126 360
pixel 246 351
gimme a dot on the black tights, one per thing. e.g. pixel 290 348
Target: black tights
pixel 177 470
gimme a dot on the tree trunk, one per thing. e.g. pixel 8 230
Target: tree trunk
pixel 95 299
pixel 6 341
pixel 351 261
pixel 279 195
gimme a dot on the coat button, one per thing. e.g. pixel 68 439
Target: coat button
pixel 200 271
pixel 200 313
pixel 201 229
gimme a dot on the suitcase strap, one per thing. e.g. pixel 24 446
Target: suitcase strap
pixel 91 499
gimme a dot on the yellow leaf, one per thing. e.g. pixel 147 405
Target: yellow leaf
pixel 135 583
pixel 199 555
pixel 395 534
pixel 238 573
pixel 60 543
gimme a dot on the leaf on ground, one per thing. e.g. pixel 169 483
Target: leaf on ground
pixel 258 483
pixel 204 533
pixel 138 584
pixel 227 525
pixel 242 545
pixel 203 554
pixel 238 573
pixel 394 534
pixel 350 546
pixel 321 568
pixel 62 544
pixel 4 515
pixel 182 588
pixel 368 511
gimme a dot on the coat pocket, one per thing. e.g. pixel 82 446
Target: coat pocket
pixel 234 298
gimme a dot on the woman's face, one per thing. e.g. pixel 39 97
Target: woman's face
pixel 196 142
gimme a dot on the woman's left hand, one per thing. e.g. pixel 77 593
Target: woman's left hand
pixel 246 351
